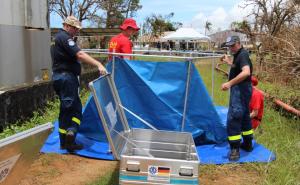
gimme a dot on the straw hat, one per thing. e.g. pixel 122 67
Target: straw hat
pixel 73 21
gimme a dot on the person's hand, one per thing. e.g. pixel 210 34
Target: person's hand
pixel 102 70
pixel 227 59
pixel 226 86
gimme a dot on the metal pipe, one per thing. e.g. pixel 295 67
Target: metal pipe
pixel 212 78
pixel 113 67
pixel 130 142
pixel 154 56
pixel 163 51
pixel 139 118
pixel 117 99
pixel 105 125
pixel 187 87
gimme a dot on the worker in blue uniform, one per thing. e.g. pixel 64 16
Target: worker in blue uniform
pixel 239 83
pixel 66 69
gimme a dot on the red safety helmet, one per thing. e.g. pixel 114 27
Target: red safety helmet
pixel 129 23
pixel 254 80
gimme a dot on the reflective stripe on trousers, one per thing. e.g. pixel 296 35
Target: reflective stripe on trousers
pixel 238 118
pixel 66 86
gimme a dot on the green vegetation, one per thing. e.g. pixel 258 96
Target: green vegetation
pixel 48 114
pixel 111 177
pixel 278 133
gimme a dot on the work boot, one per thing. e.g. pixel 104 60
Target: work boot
pixel 62 147
pixel 247 147
pixel 62 140
pixel 234 154
pixel 70 144
pixel 247 144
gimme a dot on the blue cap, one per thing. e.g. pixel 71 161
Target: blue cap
pixel 232 40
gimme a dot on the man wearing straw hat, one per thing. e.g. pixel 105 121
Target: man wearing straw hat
pixel 121 43
pixel 66 69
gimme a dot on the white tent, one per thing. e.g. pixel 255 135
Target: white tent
pixel 186 34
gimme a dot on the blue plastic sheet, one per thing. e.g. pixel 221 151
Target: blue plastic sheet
pixel 155 91
pixel 208 154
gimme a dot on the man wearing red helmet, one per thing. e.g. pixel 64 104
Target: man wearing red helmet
pixel 121 43
pixel 256 104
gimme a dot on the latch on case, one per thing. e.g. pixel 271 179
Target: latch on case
pixel 133 166
pixel 186 171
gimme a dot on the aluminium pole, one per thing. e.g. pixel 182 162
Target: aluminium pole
pixel 212 77
pixel 187 88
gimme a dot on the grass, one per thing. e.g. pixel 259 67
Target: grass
pixel 110 178
pixel 278 133
pixel 49 114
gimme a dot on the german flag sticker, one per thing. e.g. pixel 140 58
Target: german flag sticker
pixel 163 171
pixel 159 173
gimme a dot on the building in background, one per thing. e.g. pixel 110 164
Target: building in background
pixel 24 42
pixel 92 38
pixel 220 37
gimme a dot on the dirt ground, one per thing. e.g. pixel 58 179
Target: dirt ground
pixel 54 169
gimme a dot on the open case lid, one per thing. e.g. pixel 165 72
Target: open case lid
pixel 111 114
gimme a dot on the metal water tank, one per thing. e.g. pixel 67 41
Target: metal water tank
pixel 24 41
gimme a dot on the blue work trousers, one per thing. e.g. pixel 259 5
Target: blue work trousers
pixel 66 86
pixel 238 118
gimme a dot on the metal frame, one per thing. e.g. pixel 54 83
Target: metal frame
pixel 100 112
pixel 189 58
pixel 187 89
pixel 121 113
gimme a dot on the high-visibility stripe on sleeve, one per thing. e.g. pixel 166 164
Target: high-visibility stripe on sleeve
pixel 76 120
pixel 234 138
pixel 62 131
pixel 249 132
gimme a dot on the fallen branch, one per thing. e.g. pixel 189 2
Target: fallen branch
pixel 278 102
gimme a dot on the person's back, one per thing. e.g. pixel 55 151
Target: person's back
pixel 256 105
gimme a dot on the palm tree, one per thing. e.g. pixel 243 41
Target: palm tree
pixel 207 26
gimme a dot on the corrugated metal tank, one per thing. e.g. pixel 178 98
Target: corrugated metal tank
pixel 24 41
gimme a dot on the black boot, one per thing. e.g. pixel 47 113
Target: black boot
pixel 70 144
pixel 234 154
pixel 62 139
pixel 247 144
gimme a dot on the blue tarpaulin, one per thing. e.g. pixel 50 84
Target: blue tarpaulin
pixel 155 91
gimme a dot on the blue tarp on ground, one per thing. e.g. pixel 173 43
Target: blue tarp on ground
pixel 155 91
pixel 208 154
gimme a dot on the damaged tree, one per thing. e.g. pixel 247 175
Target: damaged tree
pixel 83 10
pixel 275 35
pixel 114 10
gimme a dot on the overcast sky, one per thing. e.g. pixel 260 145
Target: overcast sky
pixel 192 13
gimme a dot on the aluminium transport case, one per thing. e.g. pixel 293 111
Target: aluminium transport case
pixel 147 156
